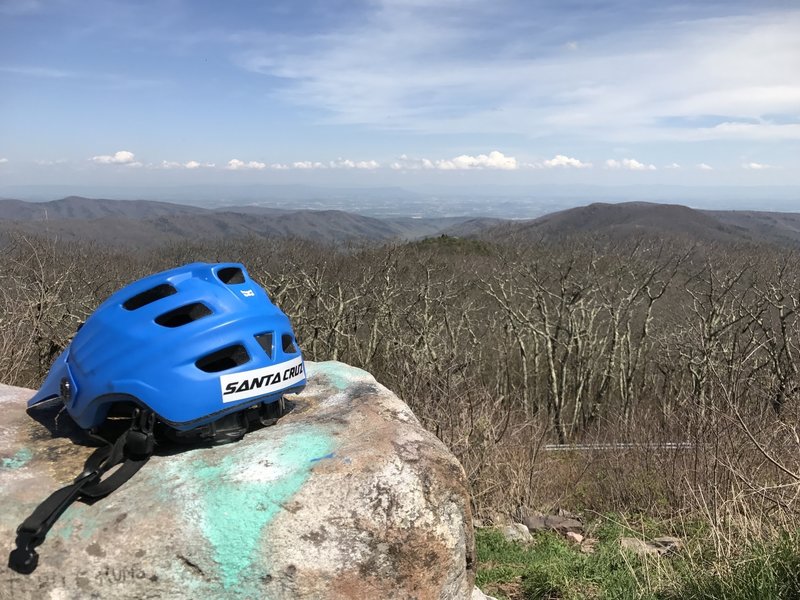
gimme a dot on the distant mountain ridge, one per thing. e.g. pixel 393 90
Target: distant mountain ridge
pixel 627 219
pixel 138 222
pixel 772 225
pixel 78 207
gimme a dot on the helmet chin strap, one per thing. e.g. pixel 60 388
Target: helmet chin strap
pixel 132 450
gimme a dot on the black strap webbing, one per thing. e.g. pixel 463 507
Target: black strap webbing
pixel 132 450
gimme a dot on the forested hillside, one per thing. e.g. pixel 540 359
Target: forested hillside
pixel 500 348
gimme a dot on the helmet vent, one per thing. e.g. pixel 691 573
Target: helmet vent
pixel 265 341
pixel 149 296
pixel 287 342
pixel 224 359
pixel 183 315
pixel 231 275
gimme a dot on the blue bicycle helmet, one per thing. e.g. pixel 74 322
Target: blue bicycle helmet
pixel 191 345
pixel 196 350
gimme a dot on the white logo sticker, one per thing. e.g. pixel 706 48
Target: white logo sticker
pixel 260 382
pixel 248 293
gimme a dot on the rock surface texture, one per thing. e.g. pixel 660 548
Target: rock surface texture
pixel 346 497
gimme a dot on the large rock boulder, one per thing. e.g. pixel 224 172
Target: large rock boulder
pixel 346 497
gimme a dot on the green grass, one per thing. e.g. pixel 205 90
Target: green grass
pixel 763 571
pixel 553 568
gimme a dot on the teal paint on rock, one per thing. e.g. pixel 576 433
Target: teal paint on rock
pixel 19 460
pixel 241 494
pixel 80 518
pixel 338 374
pixel 65 530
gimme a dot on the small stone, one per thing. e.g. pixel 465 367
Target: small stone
pixel 563 525
pixel 639 547
pixel 477 594
pixel 589 545
pixel 516 532
pixel 574 537
pixel 539 522
pixel 667 544
pixel 522 529
pixel 535 522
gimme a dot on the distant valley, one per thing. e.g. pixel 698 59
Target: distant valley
pixel 138 222
pixel 135 222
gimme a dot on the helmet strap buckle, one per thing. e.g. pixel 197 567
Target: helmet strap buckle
pixel 24 559
pixel 140 439
pixel 132 450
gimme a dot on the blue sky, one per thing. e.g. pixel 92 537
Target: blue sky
pixel 401 92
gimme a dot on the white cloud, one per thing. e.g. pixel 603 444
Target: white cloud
pixel 705 167
pixel 122 157
pixel 3 161
pixel 732 130
pixel 193 164
pixel 406 163
pixel 344 163
pixel 340 163
pixel 559 160
pixel 493 160
pixel 239 165
pixel 190 165
pixel 307 164
pixel 630 164
pixel 754 166
pixel 367 164
pixel 657 78
pixel 673 166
